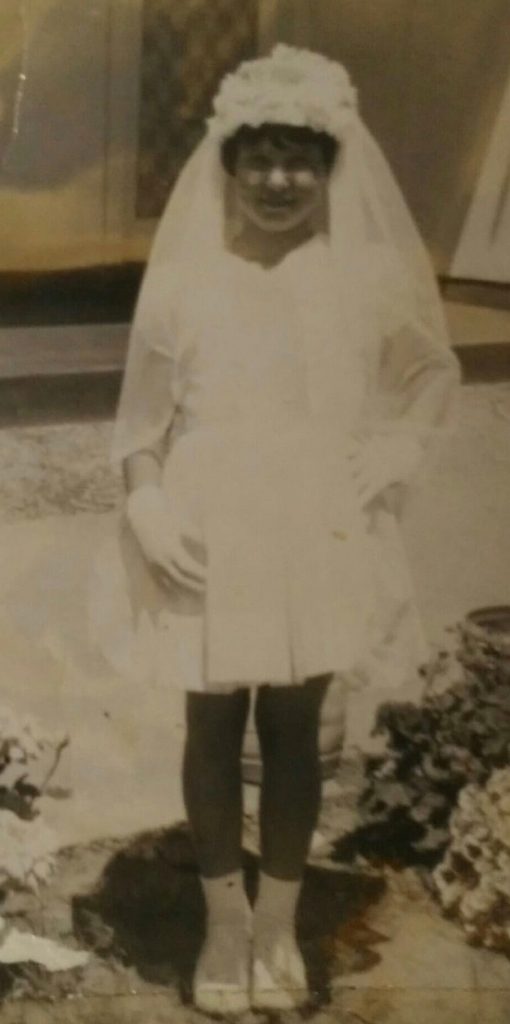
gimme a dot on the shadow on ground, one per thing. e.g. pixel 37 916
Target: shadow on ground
pixel 147 910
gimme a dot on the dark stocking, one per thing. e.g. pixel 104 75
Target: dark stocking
pixel 287 719
pixel 212 778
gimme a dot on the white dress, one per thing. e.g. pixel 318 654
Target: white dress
pixel 269 391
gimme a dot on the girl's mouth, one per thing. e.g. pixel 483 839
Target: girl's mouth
pixel 277 202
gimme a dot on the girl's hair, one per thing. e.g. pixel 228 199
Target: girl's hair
pixel 282 135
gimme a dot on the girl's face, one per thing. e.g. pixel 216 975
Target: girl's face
pixel 279 188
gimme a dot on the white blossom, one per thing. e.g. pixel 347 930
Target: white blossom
pixel 473 880
pixel 26 851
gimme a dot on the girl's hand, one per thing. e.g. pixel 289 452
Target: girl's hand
pixel 383 461
pixel 149 515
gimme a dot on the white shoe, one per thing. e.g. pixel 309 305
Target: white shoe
pixel 221 983
pixel 278 974
pixel 221 999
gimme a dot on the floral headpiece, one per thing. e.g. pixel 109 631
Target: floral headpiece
pixel 291 86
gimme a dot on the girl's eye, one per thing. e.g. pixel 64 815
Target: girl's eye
pixel 297 164
pixel 257 163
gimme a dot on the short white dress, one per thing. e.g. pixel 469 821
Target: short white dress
pixel 269 390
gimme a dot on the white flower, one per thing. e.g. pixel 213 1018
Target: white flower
pixel 26 850
pixel 474 879
pixel 291 86
pixel 22 738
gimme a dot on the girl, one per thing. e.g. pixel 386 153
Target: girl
pixel 288 364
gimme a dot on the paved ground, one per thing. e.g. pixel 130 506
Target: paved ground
pixel 376 949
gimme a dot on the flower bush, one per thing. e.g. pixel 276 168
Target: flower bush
pixel 473 881
pixel 26 843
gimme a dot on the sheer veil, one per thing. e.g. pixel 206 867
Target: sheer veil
pixel 372 236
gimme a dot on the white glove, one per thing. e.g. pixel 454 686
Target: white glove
pixel 150 517
pixel 382 461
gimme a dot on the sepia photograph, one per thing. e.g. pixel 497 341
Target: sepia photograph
pixel 254 511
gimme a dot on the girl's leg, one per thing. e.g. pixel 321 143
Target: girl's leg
pixel 287 719
pixel 288 727
pixel 212 782
pixel 213 796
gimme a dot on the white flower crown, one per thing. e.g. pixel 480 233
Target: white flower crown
pixel 291 86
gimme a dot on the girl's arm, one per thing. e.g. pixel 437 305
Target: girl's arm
pixel 144 466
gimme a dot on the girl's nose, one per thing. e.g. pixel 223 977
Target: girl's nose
pixel 277 178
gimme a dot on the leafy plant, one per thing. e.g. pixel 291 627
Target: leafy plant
pixel 456 737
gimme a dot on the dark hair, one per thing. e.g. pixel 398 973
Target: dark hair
pixel 281 135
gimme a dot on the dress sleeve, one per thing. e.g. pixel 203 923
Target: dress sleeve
pixel 418 374
pixel 418 385
pixel 148 396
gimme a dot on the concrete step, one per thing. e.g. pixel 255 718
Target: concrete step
pixel 51 374
pixel 73 372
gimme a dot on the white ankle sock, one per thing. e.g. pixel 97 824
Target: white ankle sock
pixel 225 897
pixel 279 976
pixel 277 899
pixel 221 983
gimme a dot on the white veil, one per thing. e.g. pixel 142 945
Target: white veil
pixel 376 245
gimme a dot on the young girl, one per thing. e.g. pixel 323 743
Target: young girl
pixel 287 366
